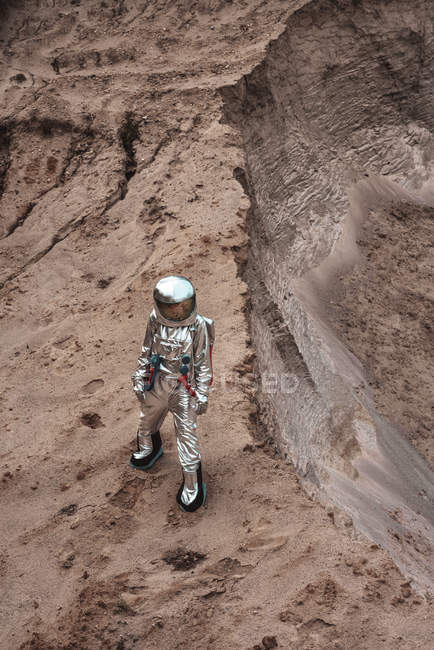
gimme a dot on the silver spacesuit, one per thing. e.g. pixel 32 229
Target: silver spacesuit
pixel 174 373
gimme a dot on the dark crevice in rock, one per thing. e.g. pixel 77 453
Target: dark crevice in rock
pixel 5 139
pixel 158 149
pixel 283 340
pixel 55 65
pixel 19 222
pixel 129 133
pixel 49 125
pixel 77 149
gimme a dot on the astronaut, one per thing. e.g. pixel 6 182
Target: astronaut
pixel 174 373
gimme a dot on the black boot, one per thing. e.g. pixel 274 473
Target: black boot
pixel 145 462
pixel 199 499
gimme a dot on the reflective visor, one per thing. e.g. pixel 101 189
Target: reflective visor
pixel 176 311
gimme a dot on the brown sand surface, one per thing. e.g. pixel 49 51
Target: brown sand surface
pixel 115 169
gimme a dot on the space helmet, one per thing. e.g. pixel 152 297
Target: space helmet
pixel 175 301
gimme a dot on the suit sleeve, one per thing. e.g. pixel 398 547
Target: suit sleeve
pixel 144 359
pixel 202 346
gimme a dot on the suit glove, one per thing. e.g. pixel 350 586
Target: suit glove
pixel 138 387
pixel 201 405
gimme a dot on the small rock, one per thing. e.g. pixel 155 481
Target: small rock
pixel 67 564
pixel 69 510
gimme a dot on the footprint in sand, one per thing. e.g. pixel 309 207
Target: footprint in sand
pixel 265 538
pixel 268 542
pixel 92 386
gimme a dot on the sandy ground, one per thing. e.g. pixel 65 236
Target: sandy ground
pixel 115 170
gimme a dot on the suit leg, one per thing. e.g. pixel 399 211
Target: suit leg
pixel 181 404
pixel 153 410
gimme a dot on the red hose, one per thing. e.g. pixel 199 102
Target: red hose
pixel 183 380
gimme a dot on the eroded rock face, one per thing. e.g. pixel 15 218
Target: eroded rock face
pixel 336 128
